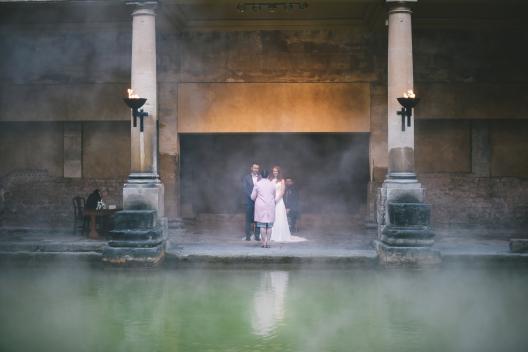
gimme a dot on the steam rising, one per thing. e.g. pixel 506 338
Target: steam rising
pixel 330 170
pixel 65 308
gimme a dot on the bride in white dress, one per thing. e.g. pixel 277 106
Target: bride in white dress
pixel 281 230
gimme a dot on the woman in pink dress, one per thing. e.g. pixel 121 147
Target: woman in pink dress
pixel 264 196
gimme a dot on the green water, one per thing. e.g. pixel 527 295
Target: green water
pixel 66 309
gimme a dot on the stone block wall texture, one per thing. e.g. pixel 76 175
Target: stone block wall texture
pixel 33 198
pixel 31 146
pixel 465 200
pixel 443 146
pixel 509 148
pixel 468 201
pixel 104 148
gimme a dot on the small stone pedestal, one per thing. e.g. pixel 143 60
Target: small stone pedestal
pixel 144 194
pixel 138 238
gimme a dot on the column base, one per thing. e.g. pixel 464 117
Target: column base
pixel 138 239
pixel 143 177
pixel 140 229
pixel 406 256
pixel 396 191
pixel 402 216
pixel 407 236
pixel 402 176
pixel 134 256
pixel 143 193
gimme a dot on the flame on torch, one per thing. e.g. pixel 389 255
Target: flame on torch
pixel 131 94
pixel 409 94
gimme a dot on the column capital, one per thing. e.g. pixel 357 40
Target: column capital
pixel 144 2
pixel 401 2
pixel 399 6
pixel 146 7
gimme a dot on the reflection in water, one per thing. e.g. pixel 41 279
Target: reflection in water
pixel 56 308
pixel 268 303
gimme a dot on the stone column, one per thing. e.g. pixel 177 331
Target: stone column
pixel 144 83
pixel 399 81
pixel 144 189
pixel 140 230
pixel 403 219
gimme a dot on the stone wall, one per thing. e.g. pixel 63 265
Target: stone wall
pixel 103 148
pixel 31 146
pixel 469 201
pixel 443 146
pixel 474 172
pixel 276 57
pixel 33 198
pixel 78 71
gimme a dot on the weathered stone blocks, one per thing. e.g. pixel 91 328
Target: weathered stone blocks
pixel 404 233
pixel 142 196
pixel 519 245
pixel 408 225
pixel 138 238
pixel 406 256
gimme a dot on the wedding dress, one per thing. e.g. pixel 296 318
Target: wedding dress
pixel 281 231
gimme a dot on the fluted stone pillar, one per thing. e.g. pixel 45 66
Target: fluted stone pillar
pixel 404 234
pixel 144 189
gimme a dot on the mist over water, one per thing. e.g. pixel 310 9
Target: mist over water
pixel 73 309
pixel 68 309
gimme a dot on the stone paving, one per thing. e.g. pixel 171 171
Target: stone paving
pixel 226 244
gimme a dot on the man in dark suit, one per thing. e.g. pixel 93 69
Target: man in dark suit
pixel 291 201
pixel 247 183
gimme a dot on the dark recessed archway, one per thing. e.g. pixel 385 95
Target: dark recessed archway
pixel 330 169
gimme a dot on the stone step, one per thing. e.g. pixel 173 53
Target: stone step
pixel 408 231
pixel 518 245
pixel 133 255
pixel 406 214
pixel 136 234
pixel 136 244
pixel 135 219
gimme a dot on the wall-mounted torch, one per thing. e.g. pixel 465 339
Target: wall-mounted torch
pixel 134 102
pixel 408 102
